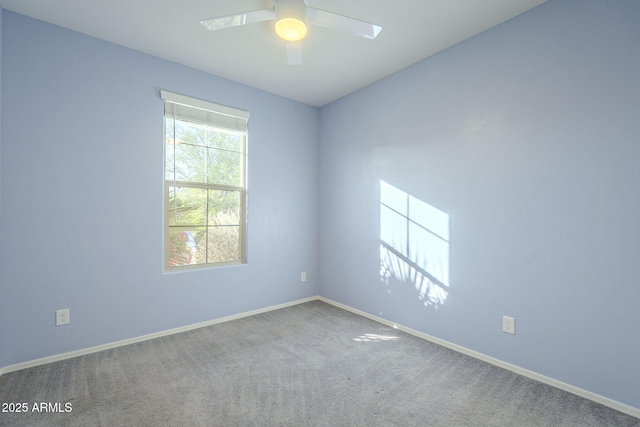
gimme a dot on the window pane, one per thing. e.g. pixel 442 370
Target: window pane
pixel 190 163
pixel 205 174
pixel 185 244
pixel 187 206
pixel 224 167
pixel 201 134
pixel 224 207
pixel 226 140
pixel 224 243
pixel 191 133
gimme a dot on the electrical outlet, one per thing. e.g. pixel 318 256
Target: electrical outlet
pixel 62 317
pixel 303 276
pixel 509 325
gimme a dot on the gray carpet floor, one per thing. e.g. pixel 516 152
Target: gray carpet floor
pixel 308 365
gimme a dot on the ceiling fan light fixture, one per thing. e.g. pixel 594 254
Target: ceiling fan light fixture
pixel 291 19
pixel 291 29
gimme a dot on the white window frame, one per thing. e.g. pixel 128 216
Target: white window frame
pixel 195 110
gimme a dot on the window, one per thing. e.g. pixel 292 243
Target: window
pixel 205 167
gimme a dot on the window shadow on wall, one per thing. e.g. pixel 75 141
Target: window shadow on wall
pixel 414 245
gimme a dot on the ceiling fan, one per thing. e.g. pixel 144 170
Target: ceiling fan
pixel 292 17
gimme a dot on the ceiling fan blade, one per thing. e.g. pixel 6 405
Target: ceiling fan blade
pixel 294 53
pixel 334 21
pixel 238 19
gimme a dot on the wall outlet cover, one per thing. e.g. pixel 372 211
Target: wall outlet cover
pixel 509 325
pixel 62 317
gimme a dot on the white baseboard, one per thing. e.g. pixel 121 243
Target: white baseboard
pixel 620 407
pixel 82 352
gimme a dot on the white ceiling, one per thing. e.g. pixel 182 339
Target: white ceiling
pixel 335 63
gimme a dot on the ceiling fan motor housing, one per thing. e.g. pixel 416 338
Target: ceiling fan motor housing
pixel 291 19
pixel 296 9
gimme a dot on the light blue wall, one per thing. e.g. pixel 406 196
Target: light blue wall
pixel 528 136
pixel 82 188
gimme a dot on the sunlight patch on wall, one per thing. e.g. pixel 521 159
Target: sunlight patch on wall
pixel 414 244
